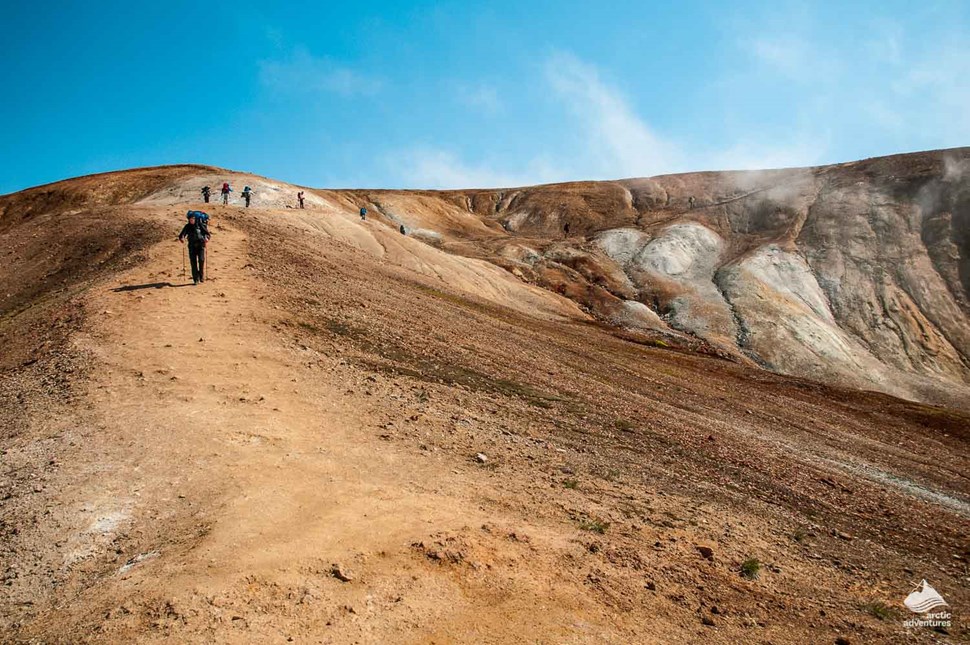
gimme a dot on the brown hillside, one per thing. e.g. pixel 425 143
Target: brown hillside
pixel 289 451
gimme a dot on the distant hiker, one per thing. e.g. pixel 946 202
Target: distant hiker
pixel 565 229
pixel 363 213
pixel 403 230
pixel 197 233
pixel 206 191
pixel 247 194
pixel 690 202
pixel 299 196
pixel 225 192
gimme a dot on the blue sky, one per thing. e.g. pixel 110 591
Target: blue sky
pixel 458 94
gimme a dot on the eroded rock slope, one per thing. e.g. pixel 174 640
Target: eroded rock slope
pixel 855 273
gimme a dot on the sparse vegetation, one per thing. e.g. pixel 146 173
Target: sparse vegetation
pixel 594 525
pixel 751 568
pixel 611 475
pixel 799 535
pixel 624 425
pixel 310 327
pixel 341 328
pixel 572 484
pixel 879 610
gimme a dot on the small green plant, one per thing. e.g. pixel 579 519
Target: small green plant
pixel 751 568
pixel 624 425
pixel 571 484
pixel 879 609
pixel 594 525
pixel 659 343
pixel 611 475
pixel 799 535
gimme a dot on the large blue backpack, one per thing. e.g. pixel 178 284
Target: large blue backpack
pixel 201 217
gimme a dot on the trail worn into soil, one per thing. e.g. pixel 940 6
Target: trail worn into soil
pixel 198 401
pixel 288 453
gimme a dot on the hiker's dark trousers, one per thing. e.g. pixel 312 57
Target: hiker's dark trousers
pixel 197 258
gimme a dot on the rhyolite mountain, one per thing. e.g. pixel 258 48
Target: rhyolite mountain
pixel 856 274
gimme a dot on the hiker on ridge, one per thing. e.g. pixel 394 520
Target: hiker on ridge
pixel 363 213
pixel 299 197
pixel 206 191
pixel 247 194
pixel 225 192
pixel 197 233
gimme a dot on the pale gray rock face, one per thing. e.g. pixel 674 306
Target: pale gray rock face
pixel 856 274
pixel 675 270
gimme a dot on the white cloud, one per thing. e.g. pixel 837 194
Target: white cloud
pixel 899 81
pixel 614 142
pixel 784 54
pixel 794 56
pixel 428 167
pixel 885 43
pixel 481 97
pixel 936 87
pixel 302 72
pixel 618 141
pixel 802 151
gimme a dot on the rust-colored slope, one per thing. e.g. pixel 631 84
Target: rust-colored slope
pixel 187 464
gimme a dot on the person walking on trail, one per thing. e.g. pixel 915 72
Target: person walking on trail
pixel 247 194
pixel 299 197
pixel 197 233
pixel 690 202
pixel 225 192
pixel 363 213
pixel 206 191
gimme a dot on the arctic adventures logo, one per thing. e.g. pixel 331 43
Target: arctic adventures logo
pixel 923 600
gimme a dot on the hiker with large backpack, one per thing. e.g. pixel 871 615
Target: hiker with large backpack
pixel 299 197
pixel 196 231
pixel 247 194
pixel 225 192
pixel 363 213
pixel 206 191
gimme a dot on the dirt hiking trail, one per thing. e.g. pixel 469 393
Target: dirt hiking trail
pixel 348 435
pixel 303 495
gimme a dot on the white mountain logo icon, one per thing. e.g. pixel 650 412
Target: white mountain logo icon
pixel 924 598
